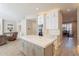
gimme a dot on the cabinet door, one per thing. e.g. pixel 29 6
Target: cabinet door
pixel 48 51
pixel 29 49
pixel 48 22
pixel 52 20
pixel 38 51
pixel 41 19
pixel 24 47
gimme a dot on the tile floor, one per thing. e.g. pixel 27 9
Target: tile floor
pixel 11 49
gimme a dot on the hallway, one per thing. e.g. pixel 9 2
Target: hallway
pixel 68 47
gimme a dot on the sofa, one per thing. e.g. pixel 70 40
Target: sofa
pixel 3 40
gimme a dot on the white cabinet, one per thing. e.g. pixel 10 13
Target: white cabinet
pixel 52 19
pixel 41 19
pixel 30 49
pixel 51 22
pixel 23 28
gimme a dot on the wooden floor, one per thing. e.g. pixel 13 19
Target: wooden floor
pixel 68 47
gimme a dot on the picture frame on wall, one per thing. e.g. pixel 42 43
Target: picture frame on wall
pixel 10 27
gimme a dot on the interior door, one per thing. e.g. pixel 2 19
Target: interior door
pixel 31 27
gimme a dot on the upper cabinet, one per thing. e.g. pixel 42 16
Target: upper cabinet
pixel 49 22
pixel 41 19
pixel 52 19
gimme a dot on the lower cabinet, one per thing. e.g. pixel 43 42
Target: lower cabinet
pixel 56 47
pixel 30 49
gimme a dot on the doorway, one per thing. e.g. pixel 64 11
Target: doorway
pixel 69 32
pixel 31 27
pixel 69 23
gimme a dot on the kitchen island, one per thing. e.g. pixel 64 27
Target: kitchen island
pixel 38 46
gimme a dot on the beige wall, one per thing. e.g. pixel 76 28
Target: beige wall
pixel 78 25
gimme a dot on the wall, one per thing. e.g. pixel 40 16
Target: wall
pixel 23 25
pixel 6 22
pixel 1 26
pixel 78 26
pixel 21 28
pixel 74 30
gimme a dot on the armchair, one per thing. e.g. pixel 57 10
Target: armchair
pixel 3 40
pixel 13 37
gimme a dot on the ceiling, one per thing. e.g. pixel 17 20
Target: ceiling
pixel 69 16
pixel 18 11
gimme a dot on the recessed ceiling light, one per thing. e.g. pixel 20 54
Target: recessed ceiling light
pixel 37 8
